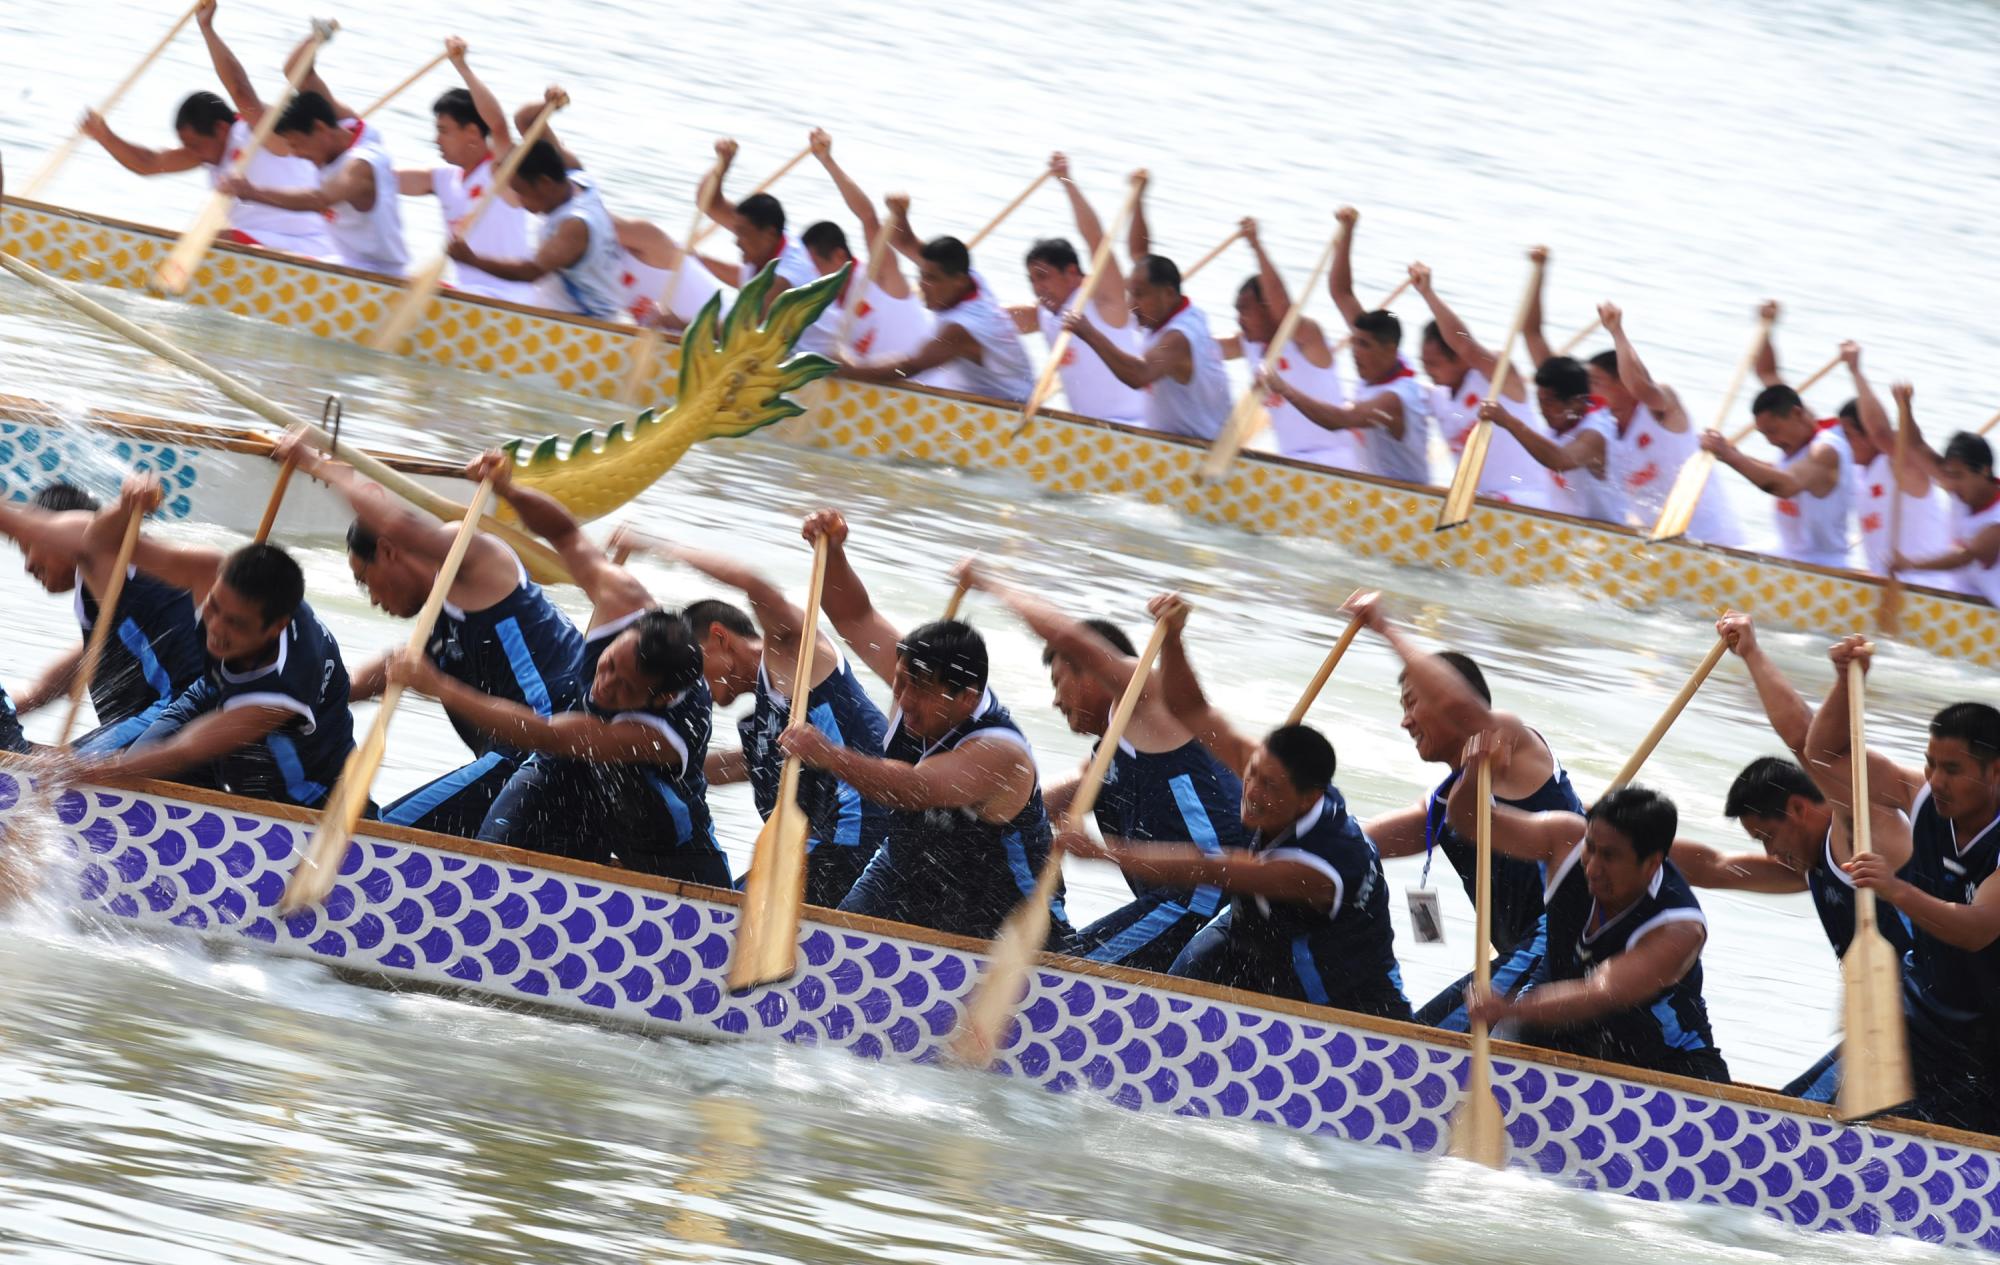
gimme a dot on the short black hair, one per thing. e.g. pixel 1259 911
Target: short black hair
pixel 1970 450
pixel 1850 412
pixel 1159 270
pixel 825 237
pixel 1056 252
pixel 1777 398
pixel 945 652
pixel 1465 667
pixel 713 610
pixel 543 161
pixel 1564 377
pixel 362 541
pixel 266 575
pixel 763 211
pixel 456 104
pixel 1974 724
pixel 1607 361
pixel 303 112
pixel 1104 628
pixel 1644 816
pixel 667 651
pixel 61 497
pixel 202 113
pixel 1254 287
pixel 1434 335
pixel 1305 755
pixel 949 254
pixel 1765 786
pixel 1382 325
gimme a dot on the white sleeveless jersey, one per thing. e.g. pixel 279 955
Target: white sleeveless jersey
pixel 1509 474
pixel 501 233
pixel 295 232
pixel 1582 493
pixel 1088 384
pixel 1645 462
pixel 886 328
pixel 1298 436
pixel 1814 528
pixel 641 287
pixel 1002 371
pixel 1408 458
pixel 1966 524
pixel 1926 526
pixel 593 283
pixel 796 267
pixel 1199 406
pixel 371 240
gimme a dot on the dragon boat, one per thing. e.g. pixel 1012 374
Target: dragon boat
pixel 422 910
pixel 1062 453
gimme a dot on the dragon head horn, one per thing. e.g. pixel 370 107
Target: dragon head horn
pixel 743 361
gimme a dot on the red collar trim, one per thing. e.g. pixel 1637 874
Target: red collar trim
pixel 1402 370
pixel 967 297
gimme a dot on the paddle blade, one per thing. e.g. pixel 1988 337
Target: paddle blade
pixel 1874 1048
pixel 999 991
pixel 767 934
pixel 416 300
pixel 1682 499
pixel 312 878
pixel 177 273
pixel 1478 1133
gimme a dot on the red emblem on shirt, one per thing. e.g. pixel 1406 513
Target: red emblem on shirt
pixel 475 191
pixel 1871 522
pixel 1875 491
pixel 1283 364
pixel 863 343
pixel 1789 508
pixel 1645 474
pixel 1644 441
pixel 1471 398
pixel 629 279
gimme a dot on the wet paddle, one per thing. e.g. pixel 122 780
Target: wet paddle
pixel 423 287
pixel 1325 673
pixel 1890 617
pixel 1685 496
pixel 709 226
pixel 413 76
pixel 1472 458
pixel 1215 252
pixel 100 632
pixel 1250 412
pixel 178 271
pixel 312 879
pixel 767 933
pixel 998 992
pixel 1100 260
pixel 1478 1132
pixel 1669 716
pixel 62 152
pixel 1874 1046
pixel 1005 211
pixel 647 347
pixel 1988 424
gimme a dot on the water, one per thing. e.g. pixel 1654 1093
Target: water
pixel 163 1103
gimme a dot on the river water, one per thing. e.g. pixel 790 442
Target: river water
pixel 164 1101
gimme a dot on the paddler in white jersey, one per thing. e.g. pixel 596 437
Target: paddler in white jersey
pixel 890 321
pixel 1306 363
pixel 1575 443
pixel 472 137
pixel 758 224
pixel 579 244
pixel 975 347
pixel 1925 529
pixel 1461 370
pixel 1965 472
pixel 1810 483
pixel 1055 273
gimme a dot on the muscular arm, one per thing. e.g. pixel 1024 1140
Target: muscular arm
pixel 1533 337
pixel 1971 927
pixel 1632 372
pixel 1108 297
pixel 138 159
pixel 1340 281
pixel 778 619
pixel 190 567
pixel 852 612
pixel 1829 743
pixel 972 775
pixel 1706 866
pixel 1817 476
pixel 1400 832
pixel 204 739
pixel 1383 411
pixel 1623 981
pixel 1170 357
pixel 1235 870
pixel 499 136
pixel 1545 838
pixel 1585 451
pixel 1068 637
pixel 558 250
pixel 1468 349
pixel 949 343
pixel 1277 303
pixel 353 185
pixel 235 80
pixel 1983 549
pixel 1790 715
pixel 612 590
pixel 488 572
pixel 1181 691
pixel 565 735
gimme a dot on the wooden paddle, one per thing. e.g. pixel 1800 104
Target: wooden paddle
pixel 1874 1046
pixel 100 632
pixel 61 154
pixel 423 287
pixel 1325 673
pixel 1988 425
pixel 767 933
pixel 1813 378
pixel 998 992
pixel 1669 716
pixel 270 519
pixel 1890 617
pixel 1685 496
pixel 1010 208
pixel 1472 458
pixel 1100 260
pixel 1215 252
pixel 957 600
pixel 1250 412
pixel 1477 1131
pixel 647 346
pixel 178 271
pixel 413 76
pixel 1596 323
pixel 707 226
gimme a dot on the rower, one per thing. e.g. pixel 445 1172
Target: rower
pixel 1308 914
pixel 269 716
pixel 1811 483
pixel 1947 890
pixel 758 224
pixel 1655 438
pixel 974 347
pixel 759 657
pixel 1445 701
pixel 890 321
pixel 1162 786
pixel 1923 505
pixel 1055 274
pixel 473 136
pixel 497 633
pixel 1972 557
pixel 1575 448
pixel 579 243
pixel 967 830
pixel 1625 930
pixel 1307 363
pixel 156 651
pixel 1461 370
pixel 1389 411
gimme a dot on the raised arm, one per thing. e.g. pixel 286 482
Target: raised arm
pixel 1068 637
pixel 718 207
pixel 1138 236
pixel 1635 377
pixel 1182 693
pixel 312 82
pixel 235 80
pixel 858 203
pixel 1109 295
pixel 1829 742
pixel 190 567
pixel 1533 337
pixel 1456 336
pixel 1765 363
pixel 1790 715
pixel 778 620
pixel 901 236
pixel 1340 281
pixel 1922 458
pixel 845 599
pixel 500 136
pixel 612 590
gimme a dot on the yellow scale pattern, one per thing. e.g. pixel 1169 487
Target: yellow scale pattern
pixel 1259 494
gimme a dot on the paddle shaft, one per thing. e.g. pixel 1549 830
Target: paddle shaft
pixel 1892 596
pixel 1250 404
pixel 1100 260
pixel 1857 757
pixel 1596 323
pixel 1989 423
pixel 1668 717
pixel 270 519
pixel 100 632
pixel 62 152
pixel 648 345
pixel 1215 252
pixel 411 78
pixel 1472 459
pixel 957 600
pixel 1009 209
pixel 703 230
pixel 1325 673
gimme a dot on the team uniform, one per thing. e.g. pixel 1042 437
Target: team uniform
pixel 1586 495
pixel 843 830
pixel 646 817
pixel 591 286
pixel 1925 525
pixel 301 760
pixel 1087 382
pixel 11 737
pixel 1198 407
pixel 1520 925
pixel 885 327
pixel 947 869
pixel 1344 957
pixel 370 240
pixel 1645 462
pixel 501 232
pixel 1002 371
pixel 1814 528
pixel 641 287
pixel 1510 474
pixel 521 649
pixel 153 655
pixel 1669 1033
pixel 253 223
pixel 1408 458
pixel 1966 523
pixel 1162 796
pixel 1298 436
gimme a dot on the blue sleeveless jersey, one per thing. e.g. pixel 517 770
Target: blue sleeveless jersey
pixel 1957 987
pixel 1668 1033
pixel 1517 884
pixel 521 649
pixel 1181 796
pixel 1832 895
pixel 838 707
pixel 11 737
pixel 156 651
pixel 300 760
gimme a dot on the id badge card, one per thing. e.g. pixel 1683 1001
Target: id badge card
pixel 1426 919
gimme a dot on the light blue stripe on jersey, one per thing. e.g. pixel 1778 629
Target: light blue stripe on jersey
pixel 534 691
pixel 286 757
pixel 426 801
pixel 1161 919
pixel 1308 972
pixel 141 649
pixel 1201 832
pixel 847 827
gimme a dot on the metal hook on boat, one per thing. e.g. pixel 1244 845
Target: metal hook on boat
pixel 330 414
